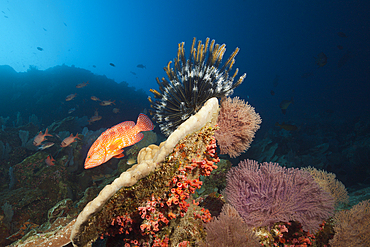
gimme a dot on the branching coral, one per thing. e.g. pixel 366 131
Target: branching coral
pixel 192 82
pixel 267 193
pixel 237 122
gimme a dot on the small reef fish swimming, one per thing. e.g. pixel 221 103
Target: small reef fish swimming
pixel 40 138
pixel 112 64
pixel 95 98
pixel 131 161
pixel 40 49
pixel 46 145
pixel 341 34
pixel 284 105
pixel 115 110
pixel 71 110
pixel 288 127
pixel 321 59
pixel 107 102
pixel 71 97
pixel 112 141
pixel 68 140
pixel 50 161
pixel 141 66
pixel 83 84
pixel 94 119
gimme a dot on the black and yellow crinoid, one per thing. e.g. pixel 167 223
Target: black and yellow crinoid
pixel 191 83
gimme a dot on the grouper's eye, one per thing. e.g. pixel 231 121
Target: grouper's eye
pixel 88 157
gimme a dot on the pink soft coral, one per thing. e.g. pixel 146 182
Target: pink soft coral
pixel 238 122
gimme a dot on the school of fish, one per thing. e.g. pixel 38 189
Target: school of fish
pixel 109 144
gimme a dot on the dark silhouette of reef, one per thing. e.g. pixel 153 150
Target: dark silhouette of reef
pixel 33 101
pixel 43 93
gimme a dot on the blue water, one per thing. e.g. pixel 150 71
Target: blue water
pixel 48 47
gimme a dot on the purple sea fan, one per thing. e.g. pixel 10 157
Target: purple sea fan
pixel 267 193
pixel 229 229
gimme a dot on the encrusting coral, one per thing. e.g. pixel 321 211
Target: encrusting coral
pixel 237 122
pixel 147 202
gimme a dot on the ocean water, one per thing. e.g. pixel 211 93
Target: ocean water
pixel 308 74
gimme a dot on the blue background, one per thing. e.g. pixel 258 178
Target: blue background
pixel 275 37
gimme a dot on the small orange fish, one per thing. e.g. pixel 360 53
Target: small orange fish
pixel 40 138
pixel 83 84
pixel 107 102
pixel 68 140
pixel 71 97
pixel 94 98
pixel 50 161
pixel 116 110
pixel 112 141
pixel 94 119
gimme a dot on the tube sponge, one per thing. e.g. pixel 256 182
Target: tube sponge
pixel 148 159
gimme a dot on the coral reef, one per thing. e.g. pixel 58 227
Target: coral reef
pixel 191 83
pixel 267 193
pixel 23 134
pixel 55 234
pixel 229 229
pixel 237 122
pixel 8 213
pixel 327 181
pixel 352 226
pixel 3 120
pixel 146 202
pixel 288 234
pixel 216 182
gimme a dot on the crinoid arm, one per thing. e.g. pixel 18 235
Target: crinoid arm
pixel 191 82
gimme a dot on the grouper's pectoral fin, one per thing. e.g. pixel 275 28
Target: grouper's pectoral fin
pixel 118 154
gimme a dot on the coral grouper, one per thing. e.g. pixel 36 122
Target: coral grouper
pixel 112 141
